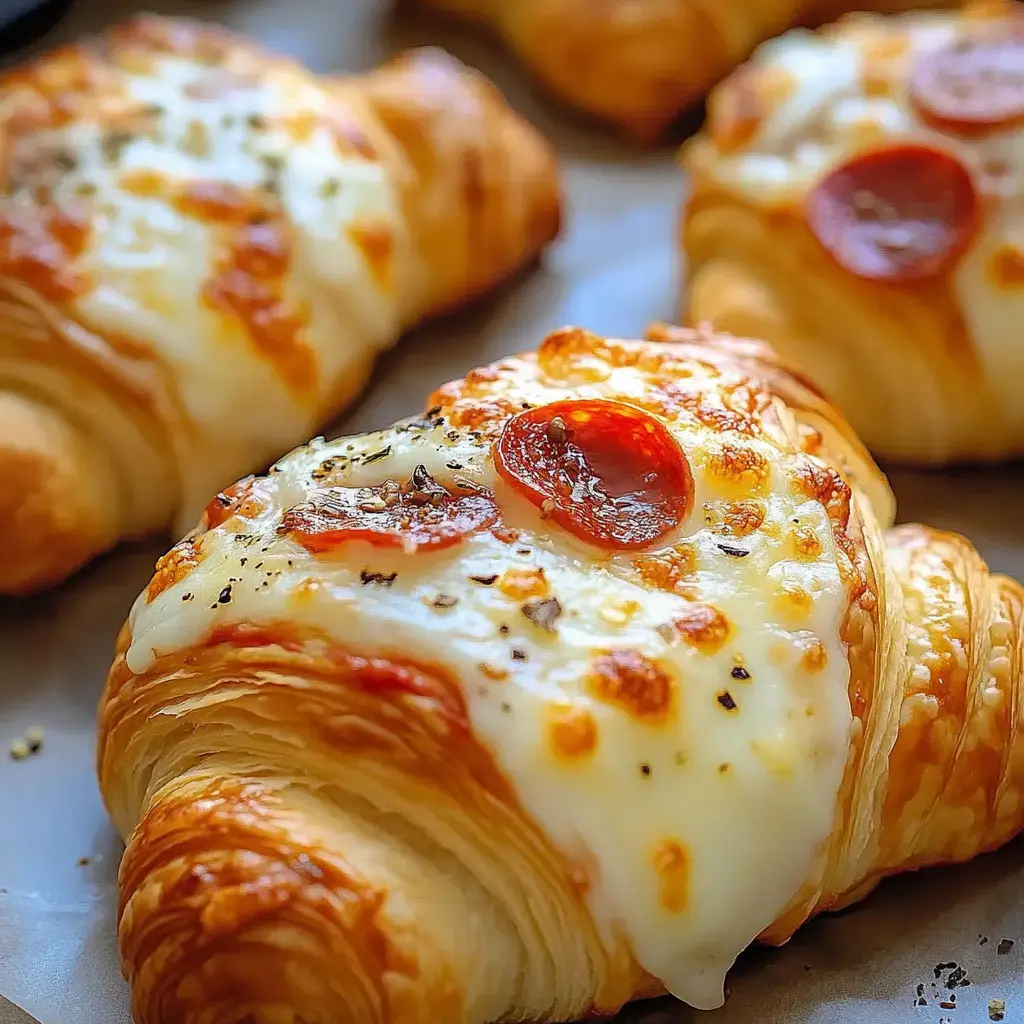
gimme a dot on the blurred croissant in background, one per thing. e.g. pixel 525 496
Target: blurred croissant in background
pixel 556 696
pixel 202 249
pixel 856 200
pixel 641 63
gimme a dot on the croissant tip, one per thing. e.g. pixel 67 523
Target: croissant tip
pixel 51 517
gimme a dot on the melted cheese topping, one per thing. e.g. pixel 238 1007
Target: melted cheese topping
pixel 847 91
pixel 258 333
pixel 679 726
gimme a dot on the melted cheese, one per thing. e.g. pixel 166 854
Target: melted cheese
pixel 849 93
pixel 149 262
pixel 696 822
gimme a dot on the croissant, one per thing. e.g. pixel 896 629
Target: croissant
pixel 855 201
pixel 641 63
pixel 202 249
pixel 556 696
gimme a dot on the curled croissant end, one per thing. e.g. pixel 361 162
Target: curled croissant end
pixel 480 186
pixel 57 499
pixel 350 209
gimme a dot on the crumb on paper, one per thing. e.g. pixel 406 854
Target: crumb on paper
pixel 949 1003
pixel 84 862
pixel 34 738
pixel 1004 947
pixel 957 977
pixel 18 750
pixel 996 1009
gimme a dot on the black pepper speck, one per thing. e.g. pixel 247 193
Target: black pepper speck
pixel 732 551
pixel 380 578
pixel 725 699
pixel 957 978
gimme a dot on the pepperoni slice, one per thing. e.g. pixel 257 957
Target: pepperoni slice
pixel 606 472
pixel 420 514
pixel 974 83
pixel 905 213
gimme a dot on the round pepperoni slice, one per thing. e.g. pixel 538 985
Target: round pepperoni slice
pixel 421 514
pixel 905 213
pixel 606 472
pixel 974 83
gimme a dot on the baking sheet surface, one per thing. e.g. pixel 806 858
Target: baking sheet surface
pixel 614 270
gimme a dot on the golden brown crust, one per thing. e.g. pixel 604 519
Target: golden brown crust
pixel 480 188
pixel 477 194
pixel 641 63
pixel 53 486
pixel 231 853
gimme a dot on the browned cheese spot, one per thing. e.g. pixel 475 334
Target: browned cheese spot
pixel 738 468
pixel 703 627
pixel 672 865
pixel 814 657
pixel 493 672
pixel 793 602
pixel 668 570
pixel 520 584
pixel 173 567
pixel 1007 268
pixel 734 518
pixel 806 542
pixel 631 681
pixel 572 732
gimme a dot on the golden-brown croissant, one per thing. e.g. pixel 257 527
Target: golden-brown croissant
pixel 642 63
pixel 558 695
pixel 857 202
pixel 202 248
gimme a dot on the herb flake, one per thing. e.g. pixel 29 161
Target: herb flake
pixel 543 612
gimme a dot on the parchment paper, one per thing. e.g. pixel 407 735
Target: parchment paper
pixel 614 270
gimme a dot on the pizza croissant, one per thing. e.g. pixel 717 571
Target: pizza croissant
pixel 857 201
pixel 557 695
pixel 202 248
pixel 641 63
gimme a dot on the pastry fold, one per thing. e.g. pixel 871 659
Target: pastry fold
pixel 202 249
pixel 639 64
pixel 556 696
pixel 855 201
